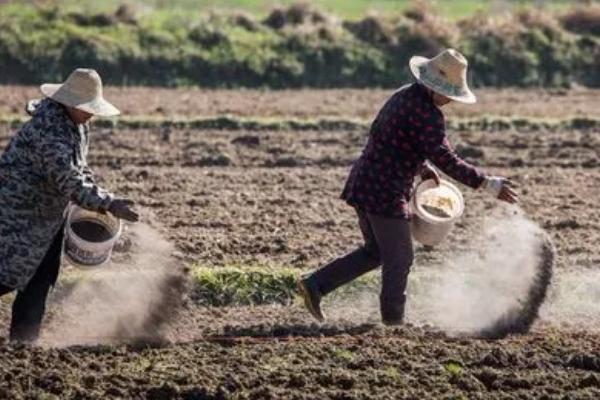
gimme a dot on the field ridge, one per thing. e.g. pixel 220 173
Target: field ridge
pixel 234 123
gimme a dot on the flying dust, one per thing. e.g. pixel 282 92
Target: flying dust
pixel 574 300
pixel 496 287
pixel 132 299
pixel 492 290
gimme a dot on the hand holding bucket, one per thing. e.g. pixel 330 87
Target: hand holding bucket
pixel 435 210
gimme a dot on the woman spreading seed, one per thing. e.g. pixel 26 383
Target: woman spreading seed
pixel 408 131
pixel 43 168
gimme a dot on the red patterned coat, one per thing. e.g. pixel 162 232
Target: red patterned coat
pixel 408 130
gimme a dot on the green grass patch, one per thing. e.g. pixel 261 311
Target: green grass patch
pixel 213 286
pixel 392 373
pixel 257 285
pixel 454 369
pixel 343 355
pixel 236 285
pixel 222 286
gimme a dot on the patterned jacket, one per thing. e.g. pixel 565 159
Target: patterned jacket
pixel 42 169
pixel 408 130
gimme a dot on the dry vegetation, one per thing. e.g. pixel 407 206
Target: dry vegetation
pixel 297 46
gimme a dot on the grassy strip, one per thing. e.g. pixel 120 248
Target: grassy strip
pixel 353 9
pixel 216 286
pixel 485 123
pixel 235 285
pixel 226 286
pixel 297 46
pixel 242 286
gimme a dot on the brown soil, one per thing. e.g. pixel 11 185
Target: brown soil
pixel 230 197
pixel 328 362
pixel 222 201
pixel 354 103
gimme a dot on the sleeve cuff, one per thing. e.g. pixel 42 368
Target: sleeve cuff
pixel 106 202
pixel 493 185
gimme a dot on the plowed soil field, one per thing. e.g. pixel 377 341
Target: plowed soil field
pixel 271 198
pixel 357 103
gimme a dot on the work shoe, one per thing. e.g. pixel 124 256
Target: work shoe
pixel 392 311
pixel 392 322
pixel 312 298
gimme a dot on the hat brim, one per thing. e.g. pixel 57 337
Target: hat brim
pixel 416 63
pixel 98 106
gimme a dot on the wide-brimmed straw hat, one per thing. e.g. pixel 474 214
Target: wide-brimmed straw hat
pixel 81 90
pixel 445 74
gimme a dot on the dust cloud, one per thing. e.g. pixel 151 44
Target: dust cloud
pixel 131 299
pixel 574 300
pixel 494 288
pixel 497 287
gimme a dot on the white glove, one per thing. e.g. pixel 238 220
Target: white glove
pixel 493 185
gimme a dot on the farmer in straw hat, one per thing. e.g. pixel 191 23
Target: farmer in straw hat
pixel 407 132
pixel 44 168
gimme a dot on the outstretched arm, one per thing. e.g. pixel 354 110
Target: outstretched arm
pixel 434 145
pixel 440 152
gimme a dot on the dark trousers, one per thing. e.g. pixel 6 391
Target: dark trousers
pixel 387 242
pixel 30 304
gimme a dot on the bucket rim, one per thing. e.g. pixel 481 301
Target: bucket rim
pixel 428 217
pixel 116 233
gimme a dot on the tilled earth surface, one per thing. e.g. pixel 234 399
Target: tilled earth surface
pixel 356 103
pixel 272 198
pixel 360 362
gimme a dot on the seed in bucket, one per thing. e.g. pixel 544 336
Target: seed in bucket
pixel 91 231
pixel 437 205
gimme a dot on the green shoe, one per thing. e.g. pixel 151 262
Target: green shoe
pixel 312 298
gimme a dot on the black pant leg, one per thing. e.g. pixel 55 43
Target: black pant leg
pixel 347 268
pixel 394 242
pixel 30 304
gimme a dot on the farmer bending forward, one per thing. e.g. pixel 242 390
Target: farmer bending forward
pixel 44 168
pixel 408 130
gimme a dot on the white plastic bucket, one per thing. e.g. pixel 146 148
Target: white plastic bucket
pixel 90 237
pixel 426 227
